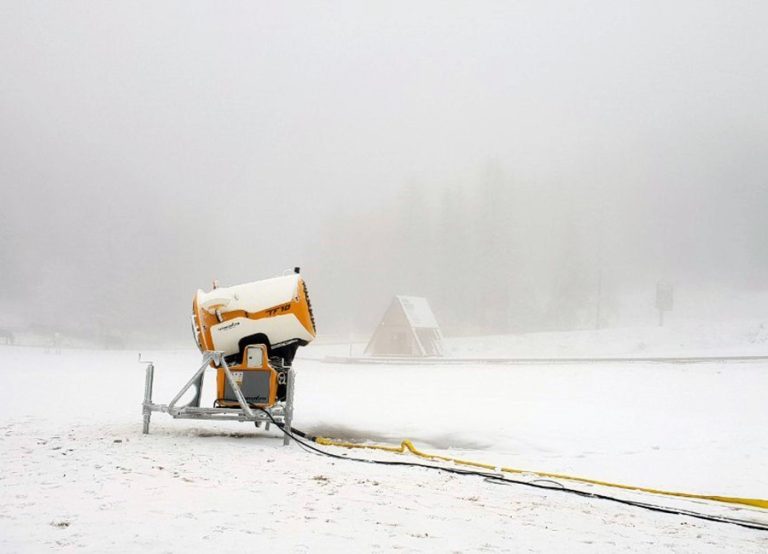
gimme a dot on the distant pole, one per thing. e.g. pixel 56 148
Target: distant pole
pixel 600 245
pixel 665 294
pixel 599 297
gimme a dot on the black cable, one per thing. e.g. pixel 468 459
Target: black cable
pixel 497 479
pixel 653 507
pixel 298 432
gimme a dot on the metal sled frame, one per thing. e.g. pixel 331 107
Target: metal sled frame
pixel 282 412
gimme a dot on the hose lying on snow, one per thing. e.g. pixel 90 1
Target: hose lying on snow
pixel 305 440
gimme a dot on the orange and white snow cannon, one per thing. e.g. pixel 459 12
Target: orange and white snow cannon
pixel 249 334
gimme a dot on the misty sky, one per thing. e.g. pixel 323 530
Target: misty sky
pixel 147 148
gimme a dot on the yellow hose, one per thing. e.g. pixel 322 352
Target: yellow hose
pixel 407 446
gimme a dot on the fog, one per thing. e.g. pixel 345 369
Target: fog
pixel 525 165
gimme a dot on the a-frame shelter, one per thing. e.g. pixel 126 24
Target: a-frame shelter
pixel 408 328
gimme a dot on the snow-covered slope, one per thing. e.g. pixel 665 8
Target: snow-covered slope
pixel 683 338
pixel 76 473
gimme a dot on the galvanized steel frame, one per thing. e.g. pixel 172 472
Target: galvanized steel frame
pixel 282 412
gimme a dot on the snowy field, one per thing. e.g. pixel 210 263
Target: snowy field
pixel 678 338
pixel 77 475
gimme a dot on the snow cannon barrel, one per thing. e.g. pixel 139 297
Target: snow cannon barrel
pixel 274 312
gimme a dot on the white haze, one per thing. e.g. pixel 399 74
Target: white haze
pixel 507 160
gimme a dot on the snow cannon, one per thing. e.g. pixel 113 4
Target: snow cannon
pixel 249 335
pixel 258 327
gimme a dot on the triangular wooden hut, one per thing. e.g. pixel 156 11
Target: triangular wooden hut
pixel 408 328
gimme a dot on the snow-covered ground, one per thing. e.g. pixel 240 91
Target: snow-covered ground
pixel 77 475
pixel 678 338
